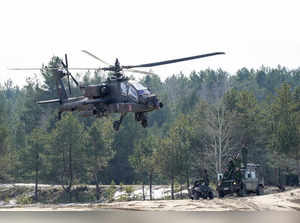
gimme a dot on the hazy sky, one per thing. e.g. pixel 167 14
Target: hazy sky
pixel 252 33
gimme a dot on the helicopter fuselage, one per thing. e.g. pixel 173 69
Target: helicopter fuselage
pixel 113 96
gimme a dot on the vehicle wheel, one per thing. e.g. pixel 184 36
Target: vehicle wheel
pixel 211 195
pixel 260 190
pixel 221 194
pixel 196 195
pixel 116 125
pixel 144 123
pixel 243 191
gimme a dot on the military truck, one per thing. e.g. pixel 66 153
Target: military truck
pixel 244 180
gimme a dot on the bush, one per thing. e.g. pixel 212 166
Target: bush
pixel 110 192
pixel 24 200
pixel 129 191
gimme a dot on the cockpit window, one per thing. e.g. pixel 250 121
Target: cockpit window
pixel 132 92
pixel 124 89
pixel 140 88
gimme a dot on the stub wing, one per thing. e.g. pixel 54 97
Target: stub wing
pixel 48 101
pixel 58 100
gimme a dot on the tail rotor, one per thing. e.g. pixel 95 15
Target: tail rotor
pixel 66 67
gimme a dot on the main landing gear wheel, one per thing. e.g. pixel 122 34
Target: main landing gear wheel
pixel 116 125
pixel 138 116
pixel 144 123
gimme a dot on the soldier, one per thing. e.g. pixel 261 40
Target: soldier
pixel 238 175
pixel 230 170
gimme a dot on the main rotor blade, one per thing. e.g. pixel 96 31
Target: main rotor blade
pixel 73 79
pixel 173 61
pixel 97 58
pixel 66 59
pixel 141 72
pixel 56 68
pixel 24 68
pixel 84 68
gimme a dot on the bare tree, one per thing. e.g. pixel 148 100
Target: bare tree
pixel 219 129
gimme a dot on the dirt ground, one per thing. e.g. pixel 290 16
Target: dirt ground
pixel 285 201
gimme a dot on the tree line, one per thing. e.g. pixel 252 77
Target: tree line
pixel 207 118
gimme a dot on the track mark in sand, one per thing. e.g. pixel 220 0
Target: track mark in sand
pixel 243 209
pixel 192 204
pixel 253 206
pixel 297 201
pixel 295 208
pixel 280 206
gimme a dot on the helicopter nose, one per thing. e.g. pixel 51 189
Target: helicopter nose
pixel 158 103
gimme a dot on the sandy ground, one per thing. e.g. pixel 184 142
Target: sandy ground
pixel 285 201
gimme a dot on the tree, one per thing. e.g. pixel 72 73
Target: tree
pixel 67 152
pixel 32 155
pixel 246 123
pixel 3 152
pixel 173 155
pixel 100 149
pixel 4 133
pixel 285 124
pixel 219 129
pixel 166 161
pixel 143 160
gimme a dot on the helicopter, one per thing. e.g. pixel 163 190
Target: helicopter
pixel 118 94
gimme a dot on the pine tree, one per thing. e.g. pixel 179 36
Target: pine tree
pixel 67 152
pixel 100 149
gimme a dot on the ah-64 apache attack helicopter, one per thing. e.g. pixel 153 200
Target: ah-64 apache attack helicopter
pixel 118 94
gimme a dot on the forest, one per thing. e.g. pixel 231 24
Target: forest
pixel 208 116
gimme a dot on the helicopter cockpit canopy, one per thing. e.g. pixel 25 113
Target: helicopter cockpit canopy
pixel 141 90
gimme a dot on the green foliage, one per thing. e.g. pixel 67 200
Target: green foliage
pixel 24 200
pixel 67 157
pixel 285 130
pixel 100 146
pixel 110 192
pixel 129 190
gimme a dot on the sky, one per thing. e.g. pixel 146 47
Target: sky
pixel 251 32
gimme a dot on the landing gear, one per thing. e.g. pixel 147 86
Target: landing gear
pixel 141 117
pixel 138 116
pixel 144 122
pixel 59 115
pixel 117 124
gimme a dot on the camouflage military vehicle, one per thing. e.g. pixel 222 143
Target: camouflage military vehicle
pixel 201 190
pixel 247 179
